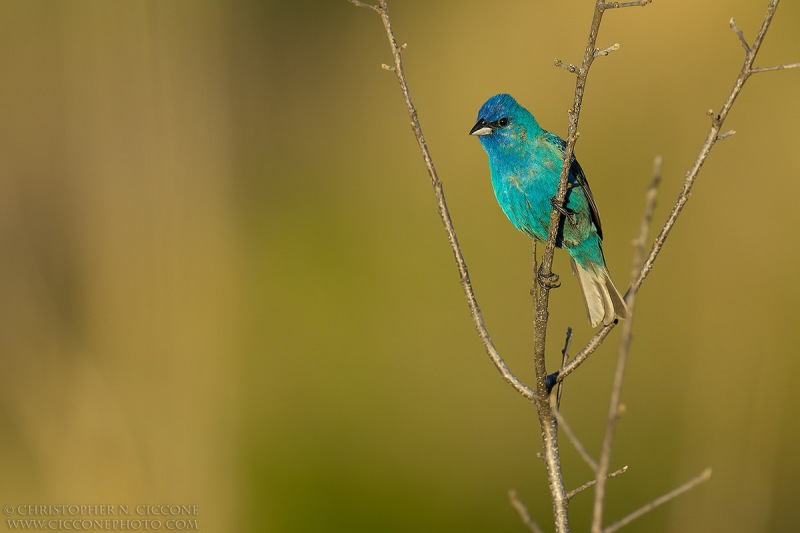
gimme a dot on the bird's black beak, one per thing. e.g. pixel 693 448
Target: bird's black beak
pixel 481 128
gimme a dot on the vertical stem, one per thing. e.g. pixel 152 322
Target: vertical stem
pixel 604 463
pixel 547 421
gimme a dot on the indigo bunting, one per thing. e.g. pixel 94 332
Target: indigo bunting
pixel 525 163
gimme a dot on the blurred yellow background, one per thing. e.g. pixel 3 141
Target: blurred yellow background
pixel 224 281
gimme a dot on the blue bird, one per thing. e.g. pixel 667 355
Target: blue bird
pixel 525 162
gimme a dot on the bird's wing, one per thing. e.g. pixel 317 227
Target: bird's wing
pixel 576 172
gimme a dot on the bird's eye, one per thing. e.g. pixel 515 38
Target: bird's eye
pixel 503 122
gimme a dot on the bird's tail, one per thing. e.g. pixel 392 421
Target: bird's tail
pixel 603 301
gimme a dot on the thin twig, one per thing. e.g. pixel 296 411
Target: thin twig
pixel 615 5
pixel 523 512
pixel 647 217
pixel 576 443
pixel 366 5
pixel 475 311
pixel 564 359
pixel 604 462
pixel 616 526
pixel 724 135
pixel 579 358
pixel 740 34
pixel 574 492
pixel 568 66
pixel 604 52
pixel 756 70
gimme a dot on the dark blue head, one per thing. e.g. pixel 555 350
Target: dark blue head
pixel 503 123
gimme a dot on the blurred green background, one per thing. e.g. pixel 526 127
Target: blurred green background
pixel 224 281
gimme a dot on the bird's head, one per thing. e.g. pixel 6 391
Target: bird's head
pixel 503 123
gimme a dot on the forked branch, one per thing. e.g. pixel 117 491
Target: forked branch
pixel 540 393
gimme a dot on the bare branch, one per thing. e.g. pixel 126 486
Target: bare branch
pixel 614 407
pixel 616 5
pixel 616 526
pixel 647 217
pixel 568 66
pixel 564 359
pixel 756 70
pixel 523 512
pixel 725 135
pixel 614 47
pixel 373 7
pixel 593 344
pixel 740 34
pixel 475 311
pixel 705 150
pixel 571 494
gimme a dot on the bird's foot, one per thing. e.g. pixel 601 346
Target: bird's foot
pixel 567 213
pixel 549 281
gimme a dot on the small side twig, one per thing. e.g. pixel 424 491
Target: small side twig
pixel 740 34
pixel 523 512
pixel 564 359
pixel 571 494
pixel 365 5
pixel 725 135
pixel 579 358
pixel 756 70
pixel 604 52
pixel 616 5
pixel 692 483
pixel 647 219
pixel 569 67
